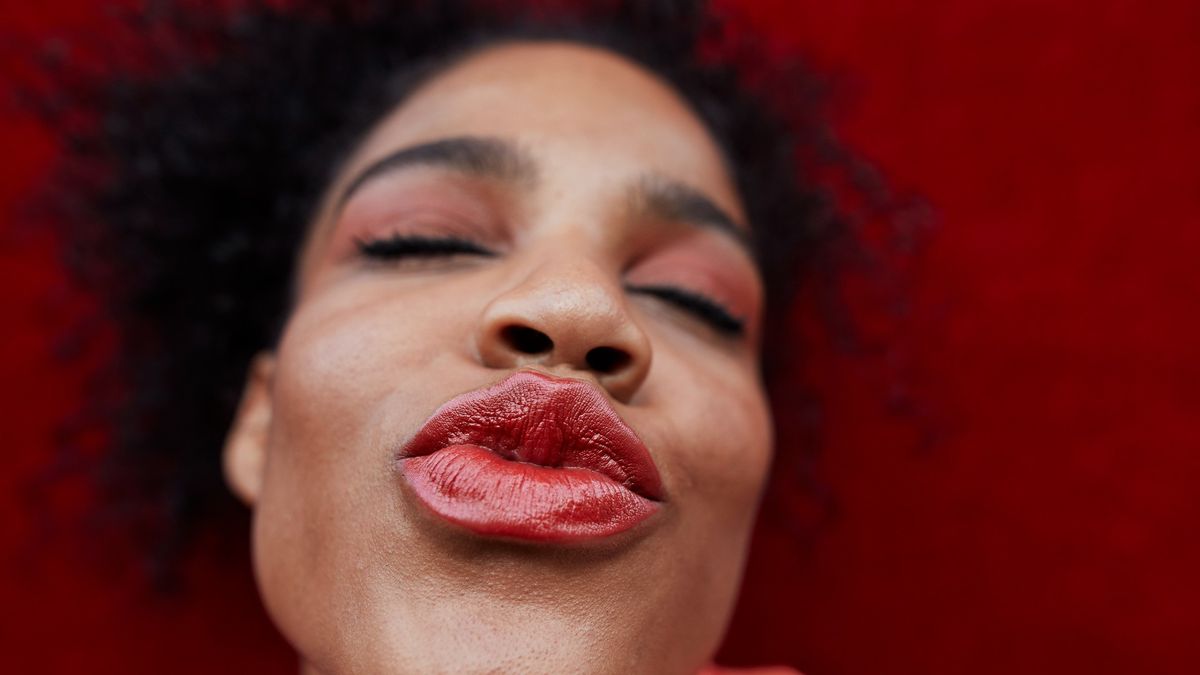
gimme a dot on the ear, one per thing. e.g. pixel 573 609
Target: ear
pixel 244 458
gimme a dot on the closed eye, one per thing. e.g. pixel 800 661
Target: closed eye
pixel 700 306
pixel 397 247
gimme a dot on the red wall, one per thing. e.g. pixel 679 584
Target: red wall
pixel 1051 525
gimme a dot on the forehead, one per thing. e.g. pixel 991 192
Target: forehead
pixel 588 116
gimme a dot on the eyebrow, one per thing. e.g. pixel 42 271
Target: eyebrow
pixel 662 198
pixel 473 155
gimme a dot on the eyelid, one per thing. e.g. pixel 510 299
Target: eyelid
pixel 699 305
pixel 428 223
pixel 423 203
pixel 701 271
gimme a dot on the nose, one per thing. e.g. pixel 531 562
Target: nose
pixel 567 315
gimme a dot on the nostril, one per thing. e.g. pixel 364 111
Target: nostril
pixel 527 340
pixel 607 359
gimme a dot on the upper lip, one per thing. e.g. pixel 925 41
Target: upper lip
pixel 550 421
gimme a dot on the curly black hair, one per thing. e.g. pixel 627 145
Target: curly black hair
pixel 191 168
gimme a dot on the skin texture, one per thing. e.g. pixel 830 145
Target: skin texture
pixel 355 572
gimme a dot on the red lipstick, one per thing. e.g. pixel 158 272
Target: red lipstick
pixel 534 457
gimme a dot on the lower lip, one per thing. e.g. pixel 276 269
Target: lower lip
pixel 489 495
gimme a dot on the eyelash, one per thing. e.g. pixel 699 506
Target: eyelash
pixel 704 308
pixel 405 246
pixel 397 247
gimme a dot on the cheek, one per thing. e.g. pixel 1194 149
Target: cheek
pixel 343 388
pixel 316 448
pixel 722 452
pixel 352 354
pixel 334 371
pixel 730 469
pixel 329 513
pixel 715 438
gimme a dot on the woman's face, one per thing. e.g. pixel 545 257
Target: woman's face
pixel 538 261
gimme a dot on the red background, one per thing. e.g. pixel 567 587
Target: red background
pixel 1051 528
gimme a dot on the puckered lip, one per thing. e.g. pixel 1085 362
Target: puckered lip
pixel 549 421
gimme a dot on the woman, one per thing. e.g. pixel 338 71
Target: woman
pixel 502 286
